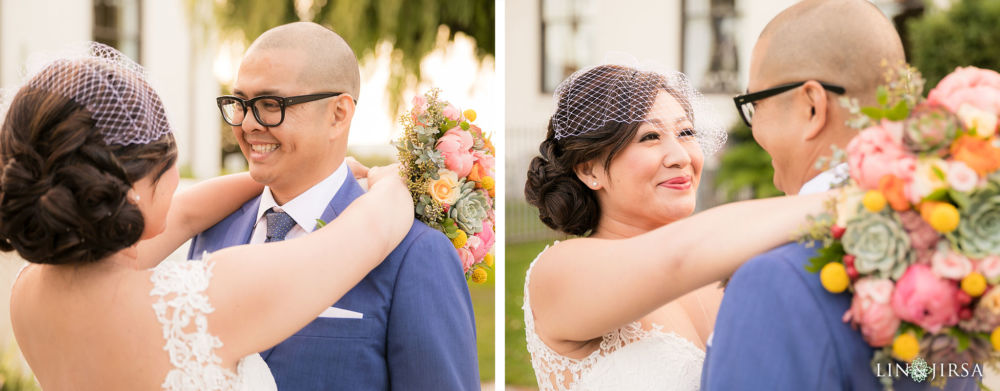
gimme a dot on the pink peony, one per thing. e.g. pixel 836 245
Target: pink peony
pixel 961 177
pixel 871 310
pixel 455 146
pixel 486 160
pixel 467 259
pixel 451 113
pixel 484 241
pixel 923 298
pixel 950 264
pixel 876 152
pixel 971 85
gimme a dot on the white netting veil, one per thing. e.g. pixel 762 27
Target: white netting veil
pixel 112 87
pixel 593 97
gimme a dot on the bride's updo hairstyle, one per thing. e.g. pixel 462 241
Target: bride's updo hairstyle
pixel 74 140
pixel 598 113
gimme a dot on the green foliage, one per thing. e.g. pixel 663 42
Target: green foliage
pixel 14 376
pixel 964 34
pixel 745 169
pixel 411 26
pixel 832 253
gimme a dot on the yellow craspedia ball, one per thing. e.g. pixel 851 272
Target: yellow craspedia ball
pixel 470 115
pixel 488 183
pixel 974 284
pixel 995 338
pixel 944 218
pixel 488 260
pixel 874 201
pixel 906 347
pixel 460 239
pixel 834 277
pixel 479 275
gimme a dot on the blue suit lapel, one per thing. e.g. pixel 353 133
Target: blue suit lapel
pixel 243 224
pixel 348 192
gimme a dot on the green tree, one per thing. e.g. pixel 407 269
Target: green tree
pixel 411 26
pixel 745 170
pixel 964 34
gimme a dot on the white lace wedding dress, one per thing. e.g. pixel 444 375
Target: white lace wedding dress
pixel 629 358
pixel 181 307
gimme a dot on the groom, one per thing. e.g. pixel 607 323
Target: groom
pixel 777 328
pixel 408 324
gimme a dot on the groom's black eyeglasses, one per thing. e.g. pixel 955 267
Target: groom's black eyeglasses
pixel 268 110
pixel 745 103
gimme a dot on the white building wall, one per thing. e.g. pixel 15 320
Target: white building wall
pixel 649 31
pixel 179 65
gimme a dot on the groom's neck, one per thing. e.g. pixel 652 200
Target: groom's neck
pixel 296 183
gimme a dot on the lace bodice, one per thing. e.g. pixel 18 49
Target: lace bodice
pixel 629 358
pixel 180 308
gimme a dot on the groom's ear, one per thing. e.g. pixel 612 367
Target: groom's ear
pixel 341 112
pixel 817 99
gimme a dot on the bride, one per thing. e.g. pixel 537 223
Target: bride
pixel 631 303
pixel 87 179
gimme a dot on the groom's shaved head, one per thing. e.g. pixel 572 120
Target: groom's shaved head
pixel 837 41
pixel 331 64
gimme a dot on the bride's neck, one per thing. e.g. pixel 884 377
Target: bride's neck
pixel 614 227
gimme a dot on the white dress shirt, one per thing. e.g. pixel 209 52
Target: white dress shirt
pixel 825 180
pixel 304 209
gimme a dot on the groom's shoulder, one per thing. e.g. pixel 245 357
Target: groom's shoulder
pixel 424 242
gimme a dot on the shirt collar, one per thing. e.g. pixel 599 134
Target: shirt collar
pixel 825 180
pixel 308 206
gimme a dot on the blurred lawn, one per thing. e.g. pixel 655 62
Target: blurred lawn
pixel 516 359
pixel 483 304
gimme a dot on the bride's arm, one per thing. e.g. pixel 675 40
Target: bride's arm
pixel 264 293
pixel 196 209
pixel 583 288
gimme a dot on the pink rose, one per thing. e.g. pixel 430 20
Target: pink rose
pixel 950 264
pixel 923 298
pixel 467 260
pixel 455 147
pixel 484 241
pixel 876 152
pixel 451 113
pixel 971 85
pixel 871 310
pixel 989 267
pixel 486 160
pixel 961 177
pixel 419 105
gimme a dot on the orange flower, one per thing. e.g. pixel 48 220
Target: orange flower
pixel 892 188
pixel 977 153
pixel 477 174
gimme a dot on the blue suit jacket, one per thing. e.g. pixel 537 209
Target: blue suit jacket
pixel 778 329
pixel 417 331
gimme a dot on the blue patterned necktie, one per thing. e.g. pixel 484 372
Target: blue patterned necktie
pixel 278 225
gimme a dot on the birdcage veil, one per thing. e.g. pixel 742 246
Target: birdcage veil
pixel 619 91
pixel 115 90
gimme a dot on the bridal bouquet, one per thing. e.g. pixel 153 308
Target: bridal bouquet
pixel 914 235
pixel 448 163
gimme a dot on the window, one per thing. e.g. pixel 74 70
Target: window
pixel 567 38
pixel 117 24
pixel 711 59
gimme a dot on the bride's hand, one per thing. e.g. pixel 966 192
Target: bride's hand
pixel 380 173
pixel 359 170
